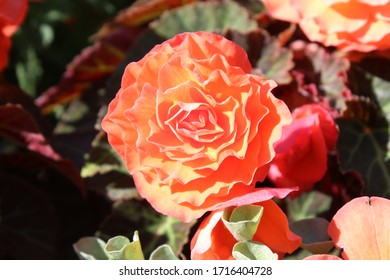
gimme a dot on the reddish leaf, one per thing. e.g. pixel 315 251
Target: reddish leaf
pixel 13 94
pixel 139 13
pixel 28 224
pixel 24 210
pixel 319 75
pixel 19 126
pixel 93 64
pixel 96 62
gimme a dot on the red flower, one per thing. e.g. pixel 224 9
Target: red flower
pixel 213 241
pixel 193 126
pixel 302 152
pixel 12 13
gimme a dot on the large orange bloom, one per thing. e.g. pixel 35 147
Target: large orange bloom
pixel 361 25
pixel 302 152
pixel 12 13
pixel 193 126
pixel 213 241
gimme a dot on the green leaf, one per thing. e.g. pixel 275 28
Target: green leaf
pixel 314 233
pixel 163 252
pixel 204 16
pixel 331 67
pixel 243 221
pixel 249 250
pixel 381 90
pixel 275 62
pixel 308 205
pixel 90 248
pixel 253 6
pixel 29 72
pixel 120 248
pixel 175 231
pixel 363 149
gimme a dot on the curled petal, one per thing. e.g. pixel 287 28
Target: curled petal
pixel 273 231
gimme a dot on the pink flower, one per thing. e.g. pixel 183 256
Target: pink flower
pixel 302 152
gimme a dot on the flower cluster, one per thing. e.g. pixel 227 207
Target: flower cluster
pixel 197 130
pixel 228 130
pixel 358 25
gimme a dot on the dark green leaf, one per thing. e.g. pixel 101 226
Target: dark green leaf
pixel 363 149
pixel 28 222
pixel 314 233
pixel 175 231
pixel 381 90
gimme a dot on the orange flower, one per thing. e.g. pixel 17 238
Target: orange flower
pixel 213 241
pixel 193 126
pixel 12 13
pixel 360 25
pixel 302 152
pixel 361 228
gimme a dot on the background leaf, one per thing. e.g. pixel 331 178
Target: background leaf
pixel 250 250
pixel 120 248
pixel 139 13
pixel 206 16
pixel 163 252
pixel 363 149
pixel 314 233
pixel 28 222
pixel 90 248
pixel 308 205
pixel 275 62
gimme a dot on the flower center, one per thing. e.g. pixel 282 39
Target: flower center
pixel 196 121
